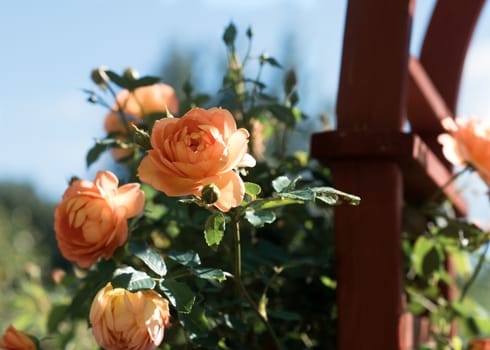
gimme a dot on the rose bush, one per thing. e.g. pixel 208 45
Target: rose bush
pixel 13 339
pixel 125 320
pixel 91 219
pixel 242 262
pixel 201 148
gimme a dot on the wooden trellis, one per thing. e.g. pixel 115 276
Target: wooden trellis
pixel 381 86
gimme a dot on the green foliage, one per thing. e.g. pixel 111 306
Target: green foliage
pixel 444 240
pixel 214 229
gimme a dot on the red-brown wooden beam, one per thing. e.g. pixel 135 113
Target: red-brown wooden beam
pixel 423 172
pixel 426 108
pixel 371 97
pixel 446 42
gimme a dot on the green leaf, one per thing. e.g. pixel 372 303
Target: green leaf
pixel 462 310
pixel 151 259
pixel 179 295
pixel 94 153
pixel 324 192
pixel 57 314
pixel 283 114
pixel 132 280
pixel 95 280
pixel 143 81
pixel 260 218
pixel 273 62
pixel 285 315
pixel 208 273
pixel 273 203
pixel 290 82
pixel 304 195
pixel 426 257
pixel 328 282
pixel 187 258
pixel 195 322
pixel 252 189
pixel 117 79
pixel 229 35
pixel 214 229
pixel 281 183
pixel 328 198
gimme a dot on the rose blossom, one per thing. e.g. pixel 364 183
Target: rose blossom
pixel 467 142
pixel 124 320
pixel 14 339
pixel 91 219
pixel 143 101
pixel 201 148
pixel 480 344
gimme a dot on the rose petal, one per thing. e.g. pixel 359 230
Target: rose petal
pixel 450 149
pixel 237 148
pixel 132 198
pixel 247 161
pixel 106 182
pixel 166 182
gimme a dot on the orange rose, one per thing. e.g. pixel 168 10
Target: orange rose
pixel 142 102
pixel 467 142
pixel 125 320
pixel 201 148
pixel 480 344
pixel 91 219
pixel 14 339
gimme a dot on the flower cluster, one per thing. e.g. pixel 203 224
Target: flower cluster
pixel 202 148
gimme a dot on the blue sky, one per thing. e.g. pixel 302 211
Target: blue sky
pixel 49 47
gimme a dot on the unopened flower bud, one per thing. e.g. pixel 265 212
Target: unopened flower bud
pixel 99 76
pixel 131 74
pixel 141 137
pixel 210 194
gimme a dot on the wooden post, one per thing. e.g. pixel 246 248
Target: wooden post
pixel 371 97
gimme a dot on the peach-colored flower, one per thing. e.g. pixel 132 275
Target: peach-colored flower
pixel 91 219
pixel 142 102
pixel 480 344
pixel 14 339
pixel 124 320
pixel 201 148
pixel 467 142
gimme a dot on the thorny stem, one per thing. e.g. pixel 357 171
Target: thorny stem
pixel 120 111
pixel 475 273
pixel 254 88
pixel 243 291
pixel 453 178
